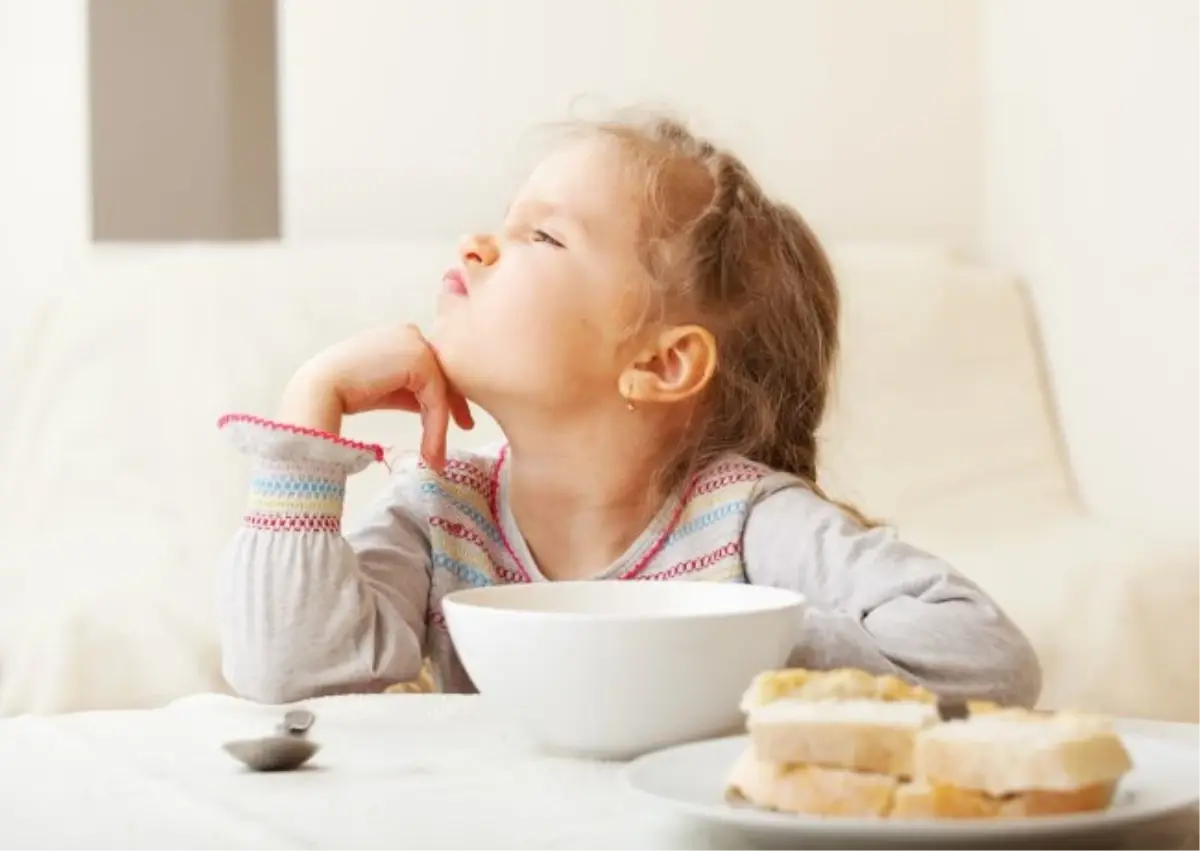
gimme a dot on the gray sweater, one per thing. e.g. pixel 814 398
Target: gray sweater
pixel 305 610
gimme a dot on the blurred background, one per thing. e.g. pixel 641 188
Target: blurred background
pixel 1058 139
pixel 254 149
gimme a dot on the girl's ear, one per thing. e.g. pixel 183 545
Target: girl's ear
pixel 676 365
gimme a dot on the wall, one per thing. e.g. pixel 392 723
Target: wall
pixel 1091 163
pixel 165 110
pixel 411 118
pixel 43 130
pixel 183 120
pixel 44 214
pixel 877 119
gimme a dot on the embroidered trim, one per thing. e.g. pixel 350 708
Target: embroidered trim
pixel 719 479
pixel 283 491
pixel 373 448
pixel 632 573
pixel 462 572
pixel 708 518
pixel 485 524
pixel 458 530
pixel 493 506
pixel 468 475
pixel 293 522
pixel 297 487
pixel 465 533
pixel 663 536
pixel 694 564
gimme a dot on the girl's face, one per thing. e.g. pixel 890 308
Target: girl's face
pixel 539 311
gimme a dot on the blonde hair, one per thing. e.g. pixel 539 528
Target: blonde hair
pixel 751 271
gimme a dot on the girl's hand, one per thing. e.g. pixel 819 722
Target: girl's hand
pixel 386 369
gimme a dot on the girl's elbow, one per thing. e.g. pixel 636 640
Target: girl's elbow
pixel 261 681
pixel 1016 675
pixel 264 671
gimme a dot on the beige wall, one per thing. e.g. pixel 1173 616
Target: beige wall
pixel 1092 188
pixel 867 115
pixel 1068 153
pixel 43 126
pixel 183 119
pixel 411 118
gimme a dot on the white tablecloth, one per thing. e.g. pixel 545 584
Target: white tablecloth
pixel 395 771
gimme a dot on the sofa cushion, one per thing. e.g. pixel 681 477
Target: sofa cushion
pixel 939 396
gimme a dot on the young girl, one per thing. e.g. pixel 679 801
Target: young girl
pixel 654 336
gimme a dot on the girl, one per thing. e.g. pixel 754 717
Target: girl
pixel 654 336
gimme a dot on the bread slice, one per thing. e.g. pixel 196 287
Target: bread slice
pixel 921 801
pixel 1015 751
pixel 838 684
pixel 858 734
pixel 810 790
pixel 833 792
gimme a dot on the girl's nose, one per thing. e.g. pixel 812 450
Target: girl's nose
pixel 479 249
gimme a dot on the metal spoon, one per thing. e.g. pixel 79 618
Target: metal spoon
pixel 286 750
pixel 952 710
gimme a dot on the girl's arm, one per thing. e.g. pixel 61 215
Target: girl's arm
pixel 302 610
pixel 879 604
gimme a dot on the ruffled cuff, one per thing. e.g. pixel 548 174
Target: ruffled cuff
pixel 299 479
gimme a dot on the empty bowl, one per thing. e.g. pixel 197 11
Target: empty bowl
pixel 612 670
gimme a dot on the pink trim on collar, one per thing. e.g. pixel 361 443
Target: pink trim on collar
pixel 494 507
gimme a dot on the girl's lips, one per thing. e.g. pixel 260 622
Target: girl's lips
pixel 454 282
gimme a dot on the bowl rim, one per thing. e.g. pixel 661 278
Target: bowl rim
pixel 785 599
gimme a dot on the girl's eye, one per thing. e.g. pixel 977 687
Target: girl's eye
pixel 542 236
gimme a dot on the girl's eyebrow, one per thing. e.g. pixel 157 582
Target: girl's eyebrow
pixel 548 210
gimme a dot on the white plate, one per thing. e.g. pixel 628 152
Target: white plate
pixel 690 779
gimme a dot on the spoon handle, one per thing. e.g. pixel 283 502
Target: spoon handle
pixel 297 722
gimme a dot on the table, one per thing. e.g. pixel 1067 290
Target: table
pixel 395 771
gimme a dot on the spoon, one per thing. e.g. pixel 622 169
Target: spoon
pixel 952 710
pixel 286 750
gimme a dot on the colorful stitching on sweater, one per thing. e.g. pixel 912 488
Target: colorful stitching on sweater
pixel 289 492
pixel 466 534
pixel 483 522
pixel 692 565
pixel 292 523
pixel 461 571
pixel 707 519
pixel 470 544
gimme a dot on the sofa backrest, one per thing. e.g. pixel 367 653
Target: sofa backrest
pixel 941 397
pixel 939 389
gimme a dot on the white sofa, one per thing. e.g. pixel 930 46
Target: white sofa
pixel 117 494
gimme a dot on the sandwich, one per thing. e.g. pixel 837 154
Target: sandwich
pixel 834 743
pixel 1014 763
pixel 846 743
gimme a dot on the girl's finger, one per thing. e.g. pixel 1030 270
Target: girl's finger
pixel 430 391
pixel 461 411
pixel 399 400
pixel 435 424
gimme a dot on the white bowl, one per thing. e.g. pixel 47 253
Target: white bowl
pixel 612 670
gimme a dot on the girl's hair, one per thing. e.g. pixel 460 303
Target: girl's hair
pixel 751 270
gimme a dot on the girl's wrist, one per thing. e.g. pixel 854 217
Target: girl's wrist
pixel 311 400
